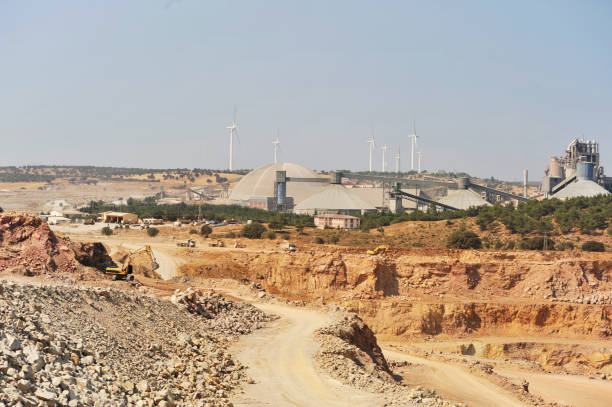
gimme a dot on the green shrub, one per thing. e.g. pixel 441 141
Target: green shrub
pixel 269 235
pixel 464 239
pixel 609 227
pixel 536 243
pixel 593 246
pixel 106 231
pixel 205 230
pixel 193 232
pixel 152 232
pixel 566 245
pixel 253 230
pixel 334 239
pixel 319 240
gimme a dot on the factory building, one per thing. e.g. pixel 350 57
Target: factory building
pixel 583 186
pixel 337 221
pixel 334 198
pixel 257 188
pixel 579 164
pixel 463 198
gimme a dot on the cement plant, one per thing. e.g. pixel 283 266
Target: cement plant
pixel 227 204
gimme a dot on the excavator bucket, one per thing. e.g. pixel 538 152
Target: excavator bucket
pixel 154 265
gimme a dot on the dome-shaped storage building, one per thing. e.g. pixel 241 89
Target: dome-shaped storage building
pixel 259 183
pixel 334 198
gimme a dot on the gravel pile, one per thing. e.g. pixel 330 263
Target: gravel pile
pixel 219 313
pixel 67 346
pixel 349 353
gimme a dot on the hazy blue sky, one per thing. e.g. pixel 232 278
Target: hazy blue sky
pixel 494 86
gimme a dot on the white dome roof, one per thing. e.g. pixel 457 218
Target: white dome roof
pixel 259 183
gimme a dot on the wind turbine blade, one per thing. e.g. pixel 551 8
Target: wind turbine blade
pixel 235 113
pixel 237 136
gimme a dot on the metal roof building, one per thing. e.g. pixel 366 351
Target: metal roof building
pixel 462 199
pixel 259 183
pixel 581 187
pixel 334 198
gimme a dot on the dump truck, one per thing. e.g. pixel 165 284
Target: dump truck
pixel 125 272
pixel 378 250
pixel 186 243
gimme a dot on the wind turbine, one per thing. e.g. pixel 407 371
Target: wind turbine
pixel 276 143
pixel 397 161
pixel 372 143
pixel 413 138
pixel 233 130
pixel 384 162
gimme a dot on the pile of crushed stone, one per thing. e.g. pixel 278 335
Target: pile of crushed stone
pixel 219 313
pixel 83 346
pixel 29 247
pixel 350 353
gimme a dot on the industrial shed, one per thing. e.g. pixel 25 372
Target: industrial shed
pixel 463 199
pixel 258 185
pixel 119 217
pixel 335 198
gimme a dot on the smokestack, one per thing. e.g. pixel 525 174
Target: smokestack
pixel 525 184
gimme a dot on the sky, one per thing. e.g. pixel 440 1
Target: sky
pixel 493 87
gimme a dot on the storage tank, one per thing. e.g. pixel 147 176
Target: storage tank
pixel 585 170
pixel 555 168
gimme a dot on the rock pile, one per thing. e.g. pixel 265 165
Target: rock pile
pixel 219 313
pixel 349 352
pixel 29 247
pixel 68 346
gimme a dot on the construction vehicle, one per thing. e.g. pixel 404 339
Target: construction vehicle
pixel 186 243
pixel 125 272
pixel 378 250
pixel 88 221
pixel 217 243
pixel 238 245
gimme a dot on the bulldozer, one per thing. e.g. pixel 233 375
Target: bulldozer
pixel 125 272
pixel 378 250
pixel 217 243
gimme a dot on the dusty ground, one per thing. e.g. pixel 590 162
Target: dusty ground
pixel 450 314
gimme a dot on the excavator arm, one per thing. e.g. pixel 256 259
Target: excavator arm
pixel 121 273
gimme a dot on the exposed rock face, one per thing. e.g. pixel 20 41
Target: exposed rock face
pixel 29 247
pixel 391 318
pixel 435 292
pixel 67 346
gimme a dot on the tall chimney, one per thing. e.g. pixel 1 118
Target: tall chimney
pixel 525 184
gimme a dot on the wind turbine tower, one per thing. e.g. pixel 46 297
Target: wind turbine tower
pixel 276 143
pixel 397 161
pixel 372 144
pixel 233 130
pixel 384 161
pixel 419 153
pixel 413 138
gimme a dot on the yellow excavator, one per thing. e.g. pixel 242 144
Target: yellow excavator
pixel 125 272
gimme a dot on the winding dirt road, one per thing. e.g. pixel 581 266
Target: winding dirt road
pixel 455 383
pixel 280 360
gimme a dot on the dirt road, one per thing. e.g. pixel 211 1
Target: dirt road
pixel 280 360
pixel 454 383
pixel 577 391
